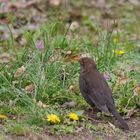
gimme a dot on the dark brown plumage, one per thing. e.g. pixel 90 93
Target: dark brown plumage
pixel 95 89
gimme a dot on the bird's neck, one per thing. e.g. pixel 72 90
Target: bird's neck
pixel 88 70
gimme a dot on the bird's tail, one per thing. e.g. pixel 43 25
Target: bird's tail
pixel 120 119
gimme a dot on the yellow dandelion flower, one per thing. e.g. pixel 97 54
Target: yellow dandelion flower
pixel 119 52
pixel 116 40
pixel 53 118
pixel 73 116
pixel 3 117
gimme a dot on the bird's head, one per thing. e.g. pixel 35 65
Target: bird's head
pixel 87 63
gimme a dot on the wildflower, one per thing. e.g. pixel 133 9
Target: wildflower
pixel 40 44
pixel 3 117
pixel 106 76
pixel 119 52
pixel 53 118
pixel 73 116
pixel 116 40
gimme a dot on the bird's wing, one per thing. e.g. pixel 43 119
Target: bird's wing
pixel 95 93
pixel 84 90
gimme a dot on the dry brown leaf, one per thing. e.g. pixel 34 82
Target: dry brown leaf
pixel 71 104
pixel 75 14
pixel 19 5
pixel 11 6
pixel 41 105
pixel 130 113
pixel 55 3
pixel 119 73
pixel 68 53
pixel 124 80
pixel 71 87
pixel 5 57
pixel 112 125
pixel 136 90
pixel 72 58
pixel 56 55
pixel 30 88
pixel 19 71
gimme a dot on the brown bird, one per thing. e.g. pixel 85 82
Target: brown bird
pixel 95 89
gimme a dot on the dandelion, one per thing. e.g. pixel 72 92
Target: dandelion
pixel 73 116
pixel 116 40
pixel 3 116
pixel 40 44
pixel 119 52
pixel 53 118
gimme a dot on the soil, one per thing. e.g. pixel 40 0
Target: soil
pixel 111 131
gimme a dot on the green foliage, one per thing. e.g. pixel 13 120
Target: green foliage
pixel 52 75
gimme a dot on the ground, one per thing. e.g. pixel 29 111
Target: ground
pixel 115 134
pixel 39 75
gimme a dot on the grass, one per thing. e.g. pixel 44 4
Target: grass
pixel 52 71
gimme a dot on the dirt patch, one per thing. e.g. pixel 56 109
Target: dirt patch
pixel 109 132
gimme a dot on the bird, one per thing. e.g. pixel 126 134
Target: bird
pixel 95 89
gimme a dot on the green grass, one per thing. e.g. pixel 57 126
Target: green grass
pixel 52 76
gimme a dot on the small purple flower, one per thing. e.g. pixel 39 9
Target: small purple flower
pixel 106 76
pixel 40 44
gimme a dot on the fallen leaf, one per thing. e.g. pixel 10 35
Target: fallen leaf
pixel 19 5
pixel 112 125
pixel 12 116
pixel 124 80
pixel 19 72
pixel 55 3
pixel 79 129
pixel 130 113
pixel 5 58
pixel 71 87
pixel 74 25
pixel 72 58
pixel 75 15
pixel 136 90
pixel 119 73
pixel 71 104
pixel 30 88
pixel 68 53
pixel 56 55
pixel 12 6
pixel 41 105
